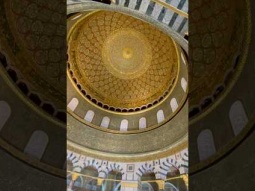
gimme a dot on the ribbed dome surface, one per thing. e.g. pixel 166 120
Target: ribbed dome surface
pixel 120 61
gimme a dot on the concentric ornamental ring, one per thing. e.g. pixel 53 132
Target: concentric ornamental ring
pixel 127 54
pixel 121 62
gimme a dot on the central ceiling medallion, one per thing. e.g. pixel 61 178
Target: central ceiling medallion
pixel 121 63
pixel 127 54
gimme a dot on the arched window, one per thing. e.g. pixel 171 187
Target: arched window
pixel 112 184
pixel 238 117
pixel 5 112
pixel 147 187
pixel 160 116
pixel 170 187
pixel 173 183
pixel 184 84
pixel 142 123
pixel 105 122
pixel 173 104
pixel 206 146
pixel 37 144
pixel 89 183
pixel 89 115
pixel 73 104
pixel 124 125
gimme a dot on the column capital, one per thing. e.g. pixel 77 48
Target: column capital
pixel 75 176
pixel 100 181
pixel 185 178
pixel 161 184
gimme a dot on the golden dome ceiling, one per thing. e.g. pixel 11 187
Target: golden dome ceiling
pixel 121 62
